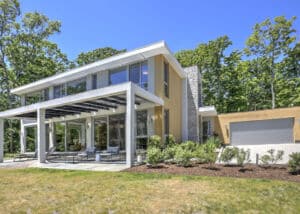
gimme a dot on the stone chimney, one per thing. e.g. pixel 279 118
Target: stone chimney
pixel 194 101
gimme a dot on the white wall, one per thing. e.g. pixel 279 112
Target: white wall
pixel 263 149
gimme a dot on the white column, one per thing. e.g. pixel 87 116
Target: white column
pixel 22 136
pixel 51 93
pixel 41 135
pixel 1 139
pixel 89 132
pixel 52 135
pixel 130 131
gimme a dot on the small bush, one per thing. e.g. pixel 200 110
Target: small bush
pixel 170 140
pixel 228 154
pixel 210 157
pixel 200 154
pixel 209 147
pixel 294 163
pixel 154 156
pixel 183 157
pixel 214 140
pixel 189 146
pixel 271 158
pixel 155 141
pixel 169 153
pixel 243 157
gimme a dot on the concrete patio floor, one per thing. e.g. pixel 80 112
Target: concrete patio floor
pixel 91 166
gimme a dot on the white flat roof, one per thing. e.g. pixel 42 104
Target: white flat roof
pixel 108 63
pixel 208 111
pixel 84 96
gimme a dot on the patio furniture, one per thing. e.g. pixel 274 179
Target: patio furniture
pixel 110 152
pixel 25 155
pixel 89 152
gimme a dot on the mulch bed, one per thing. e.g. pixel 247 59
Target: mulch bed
pixel 277 172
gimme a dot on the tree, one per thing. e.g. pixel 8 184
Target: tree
pixel 95 55
pixel 26 55
pixel 269 42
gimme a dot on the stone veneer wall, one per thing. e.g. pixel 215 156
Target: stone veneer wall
pixel 193 86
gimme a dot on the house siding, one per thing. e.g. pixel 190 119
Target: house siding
pixel 223 120
pixel 173 102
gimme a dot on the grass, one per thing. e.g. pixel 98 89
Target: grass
pixel 50 191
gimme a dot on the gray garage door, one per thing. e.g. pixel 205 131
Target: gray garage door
pixel 262 132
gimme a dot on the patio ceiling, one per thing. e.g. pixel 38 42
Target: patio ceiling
pixel 105 103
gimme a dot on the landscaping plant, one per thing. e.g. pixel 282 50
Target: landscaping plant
pixel 155 141
pixel 214 141
pixel 294 163
pixel 243 157
pixel 169 153
pixel 189 146
pixel 183 156
pixel 228 154
pixel 271 158
pixel 170 141
pixel 154 156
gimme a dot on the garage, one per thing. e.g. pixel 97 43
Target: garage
pixel 274 131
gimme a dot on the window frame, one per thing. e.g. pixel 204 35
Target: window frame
pixel 140 82
pixel 166 79
pixel 116 70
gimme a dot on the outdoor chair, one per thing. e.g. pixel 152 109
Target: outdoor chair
pixel 89 152
pixel 111 152
pixel 25 155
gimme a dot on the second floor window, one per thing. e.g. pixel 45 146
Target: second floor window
pixel 76 86
pixel 166 79
pixel 59 91
pixel 94 81
pixel 117 76
pixel 36 97
pixel 138 74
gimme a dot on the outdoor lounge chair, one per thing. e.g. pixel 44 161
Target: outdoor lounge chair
pixel 110 152
pixel 25 155
pixel 88 152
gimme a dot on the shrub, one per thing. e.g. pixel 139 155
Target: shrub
pixel 214 140
pixel 154 141
pixel 209 146
pixel 271 157
pixel 183 156
pixel 169 152
pixel 210 157
pixel 189 146
pixel 294 163
pixel 170 140
pixel 200 154
pixel 228 154
pixel 154 156
pixel 243 156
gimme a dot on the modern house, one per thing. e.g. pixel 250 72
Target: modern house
pixel 116 102
pixel 120 101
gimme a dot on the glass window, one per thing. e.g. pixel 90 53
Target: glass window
pixel 100 135
pixel 135 73
pixel 76 86
pixel 118 76
pixel 141 123
pixel 59 91
pixel 117 131
pixel 138 74
pixel 37 96
pixel 144 75
pixel 167 121
pixel 166 79
pixel 94 81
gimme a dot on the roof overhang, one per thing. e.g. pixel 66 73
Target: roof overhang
pixel 105 64
pixel 207 111
pixel 90 101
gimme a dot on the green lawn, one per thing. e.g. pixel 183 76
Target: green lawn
pixel 46 191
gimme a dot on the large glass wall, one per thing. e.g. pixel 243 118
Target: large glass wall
pixel 117 131
pixel 100 133
pixel 141 130
pixel 31 139
pixel 70 135
pixel 138 74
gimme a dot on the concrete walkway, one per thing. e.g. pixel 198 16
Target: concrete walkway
pixel 109 167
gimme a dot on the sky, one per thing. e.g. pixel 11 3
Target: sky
pixel 91 24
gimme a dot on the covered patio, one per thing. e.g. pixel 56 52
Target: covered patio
pixel 80 114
